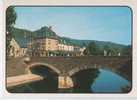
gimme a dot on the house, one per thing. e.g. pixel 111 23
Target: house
pixel 18 47
pixel 42 46
pixel 16 50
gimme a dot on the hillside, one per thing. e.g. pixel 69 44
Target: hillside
pixel 45 32
pixel 86 42
pixel 23 36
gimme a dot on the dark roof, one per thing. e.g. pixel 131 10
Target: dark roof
pixel 51 37
pixel 45 32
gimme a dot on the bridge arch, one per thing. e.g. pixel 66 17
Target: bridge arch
pixel 78 69
pixel 42 64
pixel 98 66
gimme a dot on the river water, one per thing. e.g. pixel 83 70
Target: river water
pixel 87 81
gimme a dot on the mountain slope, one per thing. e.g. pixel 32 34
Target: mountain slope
pixel 101 44
pixel 45 32
pixel 23 36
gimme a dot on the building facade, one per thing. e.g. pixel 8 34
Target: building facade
pixel 52 47
pixel 43 46
pixel 51 44
pixel 16 50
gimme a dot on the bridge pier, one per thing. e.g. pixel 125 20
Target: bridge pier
pixel 65 82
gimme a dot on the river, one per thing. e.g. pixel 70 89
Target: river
pixel 87 81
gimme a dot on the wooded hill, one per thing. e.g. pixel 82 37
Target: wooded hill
pixel 23 36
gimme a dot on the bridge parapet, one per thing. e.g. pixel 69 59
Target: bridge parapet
pixel 71 65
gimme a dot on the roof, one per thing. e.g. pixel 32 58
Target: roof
pixel 45 32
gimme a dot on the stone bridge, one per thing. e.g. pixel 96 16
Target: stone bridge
pixel 66 67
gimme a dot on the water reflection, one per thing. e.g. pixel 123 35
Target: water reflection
pixel 110 82
pixel 86 81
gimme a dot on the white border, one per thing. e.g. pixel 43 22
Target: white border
pixel 4 94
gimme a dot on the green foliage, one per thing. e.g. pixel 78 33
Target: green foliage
pixel 22 36
pixel 10 17
pixel 10 21
pixel 92 49
pixel 84 43
pixel 127 50
pixel 113 51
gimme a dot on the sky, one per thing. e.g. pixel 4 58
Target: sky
pixel 85 23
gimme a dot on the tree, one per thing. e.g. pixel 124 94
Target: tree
pixel 92 49
pixel 107 49
pixel 115 51
pixel 10 17
pixel 10 21
pixel 112 51
pixel 84 44
pixel 127 50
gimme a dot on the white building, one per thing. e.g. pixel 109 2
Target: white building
pixel 70 48
pixel 16 50
pixel 82 50
pixel 64 47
